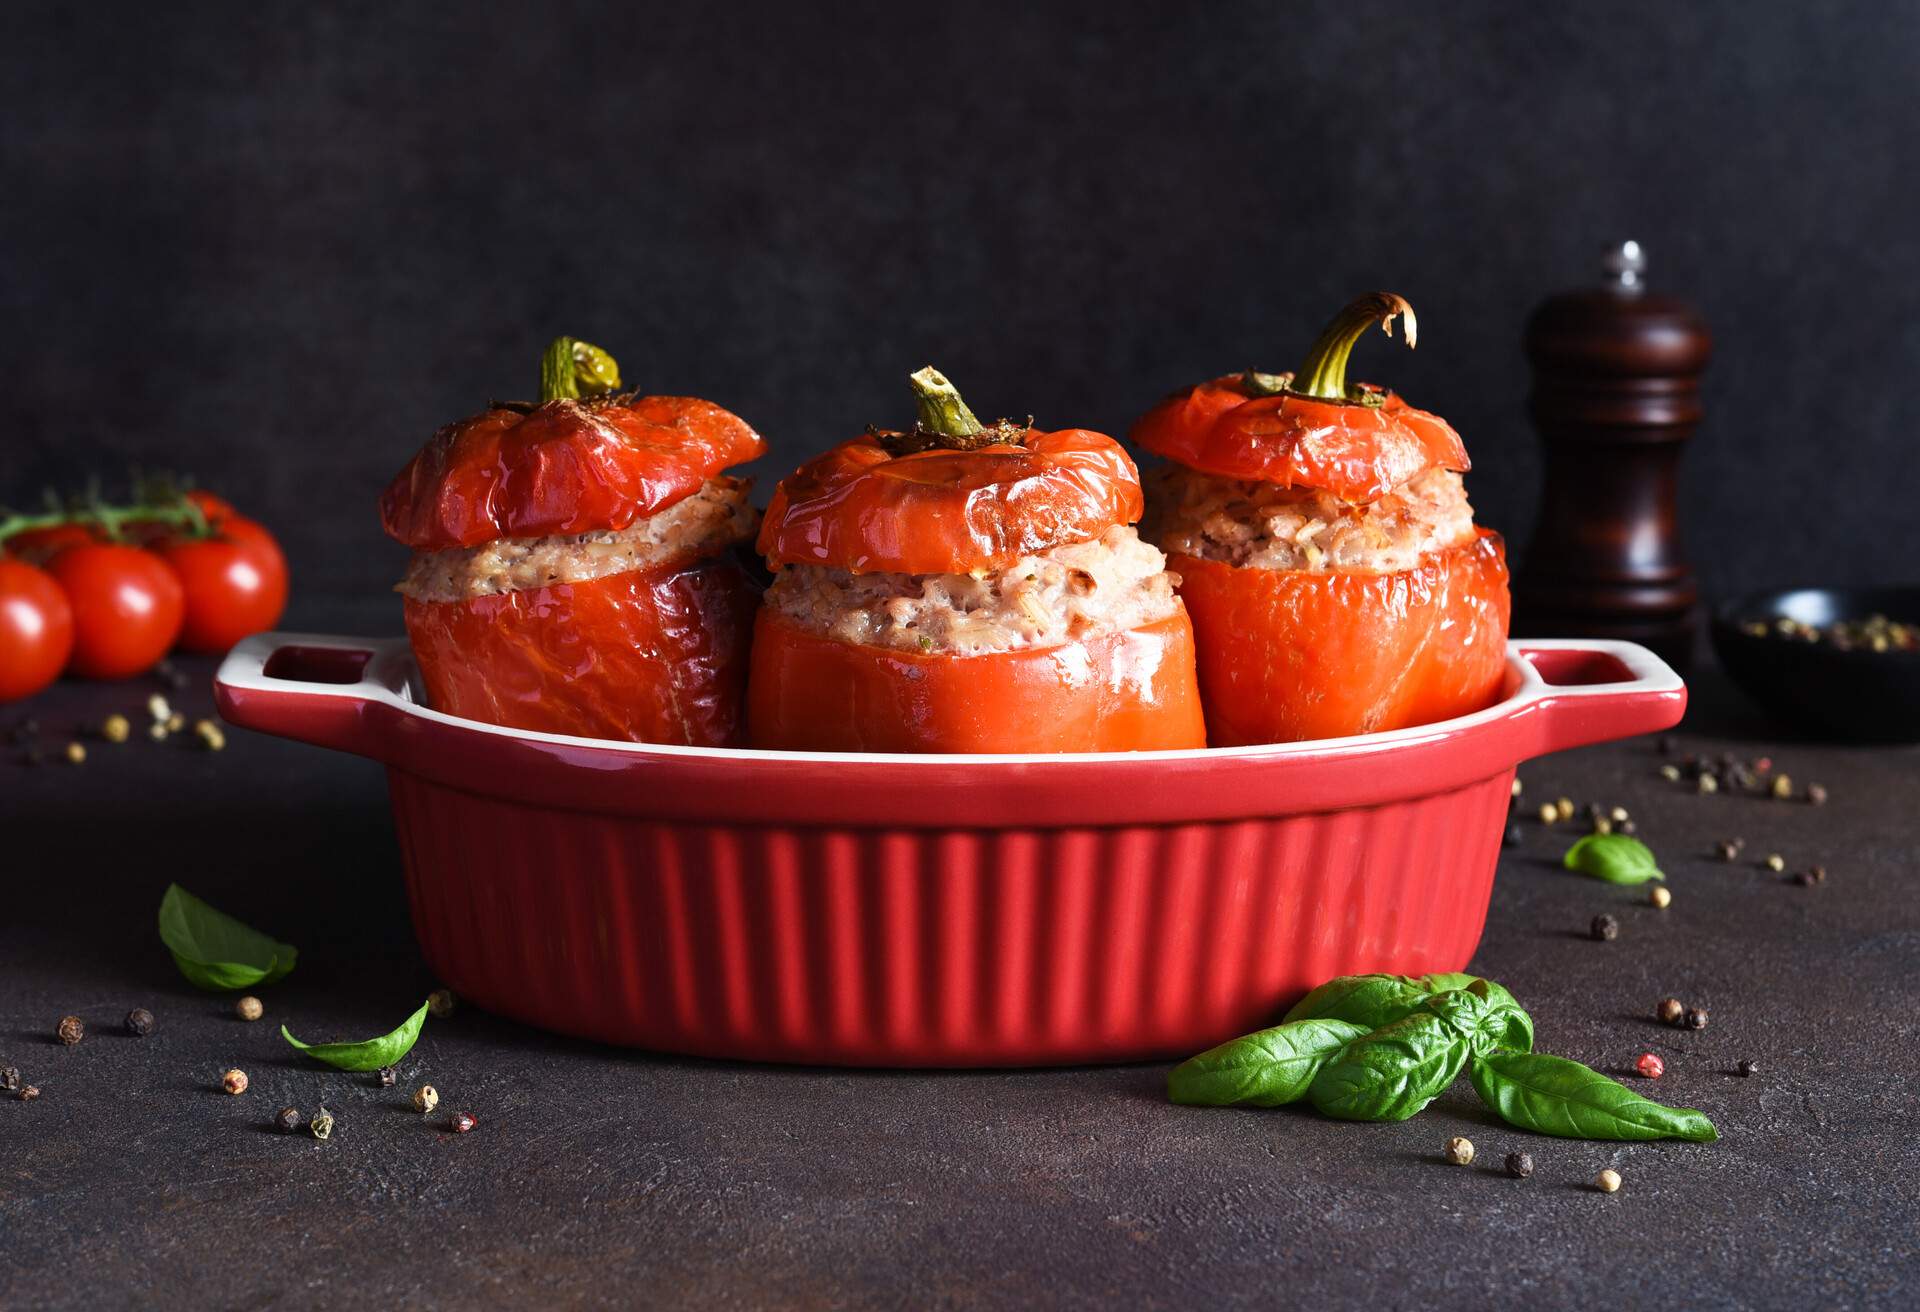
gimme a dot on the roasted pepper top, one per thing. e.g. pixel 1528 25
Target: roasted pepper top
pixel 1309 428
pixel 949 495
pixel 575 463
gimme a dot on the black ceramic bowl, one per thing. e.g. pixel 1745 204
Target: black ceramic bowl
pixel 1859 695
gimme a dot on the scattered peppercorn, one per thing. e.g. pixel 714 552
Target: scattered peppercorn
pixel 157 731
pixel 1549 813
pixel 1671 773
pixel 1775 862
pixel 1518 787
pixel 440 1003
pixel 70 1030
pixel 210 735
pixel 176 722
pixel 234 1081
pixel 288 1119
pixel 1706 783
pixel 1819 874
pixel 249 1008
pixel 387 1075
pixel 1514 835
pixel 29 1092
pixel 115 728
pixel 76 754
pixel 1619 815
pixel 1696 1018
pixel 1783 786
pixel 9 1078
pixel 1804 879
pixel 322 1123
pixel 1671 1011
pixel 1519 1165
pixel 1608 1181
pixel 1602 825
pixel 1748 1066
pixel 1460 1151
pixel 1660 896
pixel 1565 808
pixel 1650 1065
pixel 1626 827
pixel 139 1022
pixel 1817 794
pixel 1604 929
pixel 158 710
pixel 425 1099
pixel 461 1122
pixel 1729 849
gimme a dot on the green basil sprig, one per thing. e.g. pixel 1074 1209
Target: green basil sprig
pixel 215 951
pixel 1391 1073
pixel 1616 858
pixel 1551 1095
pixel 369 1055
pixel 1267 1069
pixel 1486 1015
pixel 1367 1000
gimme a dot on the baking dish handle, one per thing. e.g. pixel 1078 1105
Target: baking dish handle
pixel 326 690
pixel 1590 690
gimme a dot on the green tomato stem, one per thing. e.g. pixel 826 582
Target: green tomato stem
pixel 942 412
pixel 572 369
pixel 1324 373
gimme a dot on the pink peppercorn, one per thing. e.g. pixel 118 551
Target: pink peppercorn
pixel 1650 1066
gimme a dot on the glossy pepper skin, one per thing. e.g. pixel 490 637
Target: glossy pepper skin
pixel 938 511
pixel 1131 691
pixel 656 656
pixel 563 467
pixel 1287 655
pixel 1357 452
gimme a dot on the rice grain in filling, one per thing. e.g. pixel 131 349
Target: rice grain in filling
pixel 1112 583
pixel 1262 525
pixel 715 517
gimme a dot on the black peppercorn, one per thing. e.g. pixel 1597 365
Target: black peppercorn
pixel 1805 879
pixel 1729 849
pixel 288 1119
pixel 1514 835
pixel 1696 1018
pixel 1819 874
pixel 139 1022
pixel 387 1076
pixel 70 1030
pixel 1747 1066
pixel 1671 1011
pixel 1816 794
pixel 10 1078
pixel 1604 929
pixel 1626 827
pixel 1519 1165
pixel 29 1093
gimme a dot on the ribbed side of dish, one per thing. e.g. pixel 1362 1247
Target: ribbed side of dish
pixel 912 947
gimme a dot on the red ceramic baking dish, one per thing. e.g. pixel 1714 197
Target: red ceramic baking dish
pixel 934 910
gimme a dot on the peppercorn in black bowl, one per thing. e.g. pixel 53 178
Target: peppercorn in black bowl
pixel 1841 663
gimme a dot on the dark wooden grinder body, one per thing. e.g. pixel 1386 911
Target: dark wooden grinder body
pixel 1616 395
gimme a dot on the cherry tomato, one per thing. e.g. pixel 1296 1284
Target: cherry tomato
pixel 37 546
pixel 235 584
pixel 127 608
pixel 36 630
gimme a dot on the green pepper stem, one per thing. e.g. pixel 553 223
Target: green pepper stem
pixel 941 409
pixel 1324 373
pixel 572 369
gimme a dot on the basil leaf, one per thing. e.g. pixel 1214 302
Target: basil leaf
pixel 1391 1073
pixel 1369 1001
pixel 1445 980
pixel 1616 858
pixel 1551 1095
pixel 370 1055
pixel 215 951
pixel 1266 1069
pixel 1486 1014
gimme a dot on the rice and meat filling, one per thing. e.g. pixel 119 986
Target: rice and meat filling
pixel 1113 583
pixel 1264 526
pixel 714 517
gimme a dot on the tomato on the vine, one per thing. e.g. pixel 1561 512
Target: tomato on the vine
pixel 37 546
pixel 36 630
pixel 128 607
pixel 235 584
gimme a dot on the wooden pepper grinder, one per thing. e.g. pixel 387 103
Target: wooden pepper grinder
pixel 1616 395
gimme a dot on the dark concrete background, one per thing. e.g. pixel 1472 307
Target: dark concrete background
pixel 610 1178
pixel 277 246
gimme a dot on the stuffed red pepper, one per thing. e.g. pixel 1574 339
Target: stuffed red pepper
pixel 960 587
pixel 1326 549
pixel 575 566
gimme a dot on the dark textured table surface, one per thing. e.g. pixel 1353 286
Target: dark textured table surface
pixel 602 1176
